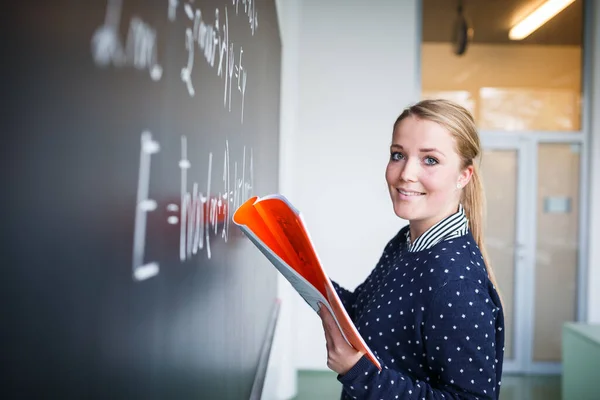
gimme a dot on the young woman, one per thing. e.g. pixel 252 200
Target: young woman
pixel 430 310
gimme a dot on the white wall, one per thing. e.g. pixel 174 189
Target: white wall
pixel 281 379
pixel 594 238
pixel 357 70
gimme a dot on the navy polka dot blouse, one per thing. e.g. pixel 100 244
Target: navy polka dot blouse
pixel 431 316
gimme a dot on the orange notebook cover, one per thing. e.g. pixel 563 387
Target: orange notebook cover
pixel 279 232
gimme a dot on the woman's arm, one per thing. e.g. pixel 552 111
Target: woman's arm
pixel 348 298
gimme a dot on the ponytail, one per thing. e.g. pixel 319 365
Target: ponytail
pixel 473 201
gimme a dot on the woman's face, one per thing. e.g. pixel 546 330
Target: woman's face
pixel 423 173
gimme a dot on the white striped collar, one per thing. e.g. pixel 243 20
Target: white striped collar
pixel 450 227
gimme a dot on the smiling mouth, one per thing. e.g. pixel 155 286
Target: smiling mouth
pixel 409 193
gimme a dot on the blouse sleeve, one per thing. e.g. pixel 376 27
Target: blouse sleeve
pixel 460 345
pixel 347 297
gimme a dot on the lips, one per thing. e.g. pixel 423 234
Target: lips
pixel 409 192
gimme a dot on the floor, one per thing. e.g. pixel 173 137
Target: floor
pixel 322 385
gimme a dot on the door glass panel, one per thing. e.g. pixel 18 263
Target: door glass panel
pixel 533 84
pixel 557 247
pixel 499 176
pixel 525 109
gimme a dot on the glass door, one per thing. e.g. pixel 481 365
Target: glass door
pixel 504 178
pixel 532 236
pixel 557 240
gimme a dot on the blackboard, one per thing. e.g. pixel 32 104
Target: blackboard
pixel 128 128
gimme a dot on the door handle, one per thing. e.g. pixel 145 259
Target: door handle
pixel 521 251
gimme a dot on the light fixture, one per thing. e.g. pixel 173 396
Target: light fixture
pixel 537 18
pixel 462 34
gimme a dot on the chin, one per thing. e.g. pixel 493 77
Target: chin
pixel 403 211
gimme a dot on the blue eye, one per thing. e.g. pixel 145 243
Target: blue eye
pixel 395 156
pixel 430 161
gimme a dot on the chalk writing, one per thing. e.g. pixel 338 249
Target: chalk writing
pixel 186 72
pixel 248 5
pixel 142 271
pixel 210 37
pixel 140 50
pixel 172 10
pixel 212 40
pixel 250 10
pixel 201 215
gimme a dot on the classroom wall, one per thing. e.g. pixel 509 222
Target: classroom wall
pixel 281 380
pixel 357 69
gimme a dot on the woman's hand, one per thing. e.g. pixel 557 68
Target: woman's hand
pixel 341 357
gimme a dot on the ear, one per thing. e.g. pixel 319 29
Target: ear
pixel 465 176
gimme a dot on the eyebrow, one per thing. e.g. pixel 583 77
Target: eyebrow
pixel 424 150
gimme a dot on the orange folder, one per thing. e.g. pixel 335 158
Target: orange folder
pixel 279 232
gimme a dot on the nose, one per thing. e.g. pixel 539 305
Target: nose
pixel 409 170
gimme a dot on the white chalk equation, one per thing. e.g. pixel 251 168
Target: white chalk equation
pixel 249 9
pixel 207 35
pixel 212 40
pixel 200 215
pixel 140 50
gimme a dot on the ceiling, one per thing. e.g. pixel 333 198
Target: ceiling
pixel 492 19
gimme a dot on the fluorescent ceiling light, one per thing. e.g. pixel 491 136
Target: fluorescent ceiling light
pixel 537 18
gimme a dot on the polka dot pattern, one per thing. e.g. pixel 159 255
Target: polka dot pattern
pixel 433 319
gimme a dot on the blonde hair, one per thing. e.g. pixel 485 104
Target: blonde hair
pixel 461 125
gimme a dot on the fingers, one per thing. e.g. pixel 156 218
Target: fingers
pixel 325 321
pixel 326 317
pixel 329 342
pixel 333 336
pixel 330 325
